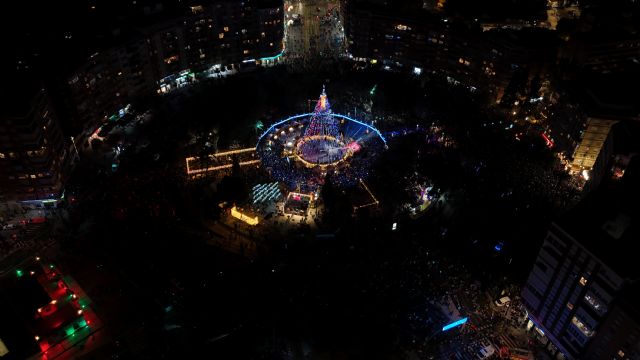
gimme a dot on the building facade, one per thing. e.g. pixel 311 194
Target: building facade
pixel 34 156
pixel 422 41
pixel 579 293
pixel 207 41
pixel 594 152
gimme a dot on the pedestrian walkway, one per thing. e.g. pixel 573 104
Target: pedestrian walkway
pixel 508 341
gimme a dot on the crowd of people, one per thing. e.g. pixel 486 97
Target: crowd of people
pixel 292 173
pixel 314 43
pixel 438 290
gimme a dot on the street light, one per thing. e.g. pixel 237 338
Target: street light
pixel 75 148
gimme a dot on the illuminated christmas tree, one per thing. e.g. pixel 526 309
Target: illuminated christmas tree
pixel 322 122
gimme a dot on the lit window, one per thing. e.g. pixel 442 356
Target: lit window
pixel 226 29
pixel 595 303
pixel 583 281
pixel 171 59
pixel 2 156
pixel 401 27
pixel 621 353
pixel 221 36
pixel 582 327
pixel 245 52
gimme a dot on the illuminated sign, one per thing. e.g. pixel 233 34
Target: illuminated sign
pixel 242 217
pixel 454 324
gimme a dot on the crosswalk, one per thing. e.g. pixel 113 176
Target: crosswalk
pixel 506 340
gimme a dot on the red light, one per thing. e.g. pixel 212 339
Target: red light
pixel 546 138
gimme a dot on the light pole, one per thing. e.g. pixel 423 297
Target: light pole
pixel 75 148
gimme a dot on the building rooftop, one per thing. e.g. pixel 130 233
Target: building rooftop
pixel 607 222
pixel 610 95
pixel 17 94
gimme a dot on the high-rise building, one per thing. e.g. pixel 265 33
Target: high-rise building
pixel 594 152
pixel 34 156
pixel 409 38
pixel 581 293
pixel 107 82
pixel 172 53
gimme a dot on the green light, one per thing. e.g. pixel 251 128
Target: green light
pixel 51 266
pixel 19 273
pixel 70 331
pixel 82 323
pixel 83 302
pixel 373 90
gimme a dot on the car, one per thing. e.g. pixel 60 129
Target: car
pixel 486 351
pixel 503 301
pixel 37 220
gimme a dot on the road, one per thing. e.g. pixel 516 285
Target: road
pixel 318 33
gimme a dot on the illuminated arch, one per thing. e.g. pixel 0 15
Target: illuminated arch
pixel 340 116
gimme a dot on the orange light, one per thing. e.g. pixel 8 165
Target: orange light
pixel 53 302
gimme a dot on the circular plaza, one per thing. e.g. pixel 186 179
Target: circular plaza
pixel 302 149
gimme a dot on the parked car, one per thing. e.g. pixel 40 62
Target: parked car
pixel 503 301
pixel 486 351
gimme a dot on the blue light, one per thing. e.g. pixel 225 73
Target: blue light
pixel 454 324
pixel 310 114
pixel 498 246
pixel 272 57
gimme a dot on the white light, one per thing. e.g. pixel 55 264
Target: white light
pixel 417 70
pixel 394 226
pixel 585 174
